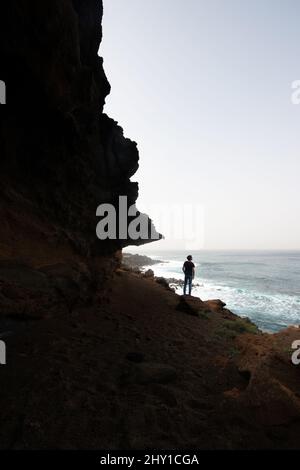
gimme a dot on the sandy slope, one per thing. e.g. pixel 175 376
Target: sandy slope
pixel 133 371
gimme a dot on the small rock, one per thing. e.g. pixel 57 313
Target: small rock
pixel 191 305
pixel 163 282
pixel 149 273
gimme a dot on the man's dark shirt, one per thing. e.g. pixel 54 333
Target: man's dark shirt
pixel 188 268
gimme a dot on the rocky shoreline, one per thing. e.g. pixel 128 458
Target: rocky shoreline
pixel 136 262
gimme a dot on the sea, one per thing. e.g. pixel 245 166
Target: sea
pixel 261 285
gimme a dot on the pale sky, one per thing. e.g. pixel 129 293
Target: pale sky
pixel 204 88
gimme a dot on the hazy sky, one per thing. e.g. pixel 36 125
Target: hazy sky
pixel 204 87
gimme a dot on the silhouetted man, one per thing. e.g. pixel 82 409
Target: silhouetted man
pixel 189 274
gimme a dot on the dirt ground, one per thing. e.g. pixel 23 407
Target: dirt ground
pixel 143 368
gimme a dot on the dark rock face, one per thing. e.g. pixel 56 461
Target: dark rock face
pixel 60 156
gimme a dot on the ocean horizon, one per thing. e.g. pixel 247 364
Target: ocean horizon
pixel 263 285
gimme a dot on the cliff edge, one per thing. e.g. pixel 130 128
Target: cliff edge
pixel 60 156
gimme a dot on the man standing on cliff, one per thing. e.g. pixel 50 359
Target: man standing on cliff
pixel 189 274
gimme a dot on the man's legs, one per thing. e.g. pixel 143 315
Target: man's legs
pixel 190 284
pixel 185 284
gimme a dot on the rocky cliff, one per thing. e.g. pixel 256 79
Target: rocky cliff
pixel 61 156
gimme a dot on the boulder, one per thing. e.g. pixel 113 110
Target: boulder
pixel 163 282
pixel 149 273
pixel 192 305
